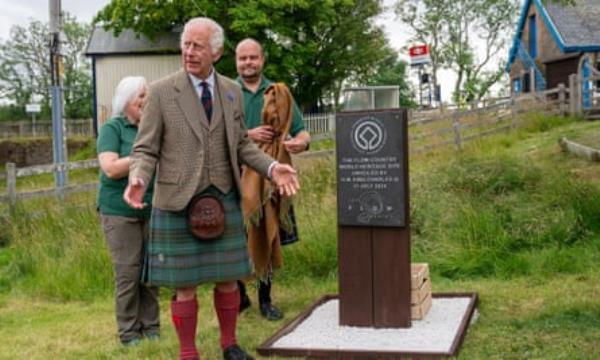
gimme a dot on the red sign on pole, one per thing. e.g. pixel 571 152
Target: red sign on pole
pixel 419 54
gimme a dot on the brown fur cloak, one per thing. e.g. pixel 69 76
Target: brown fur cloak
pixel 264 209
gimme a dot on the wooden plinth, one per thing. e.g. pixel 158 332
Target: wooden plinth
pixel 374 276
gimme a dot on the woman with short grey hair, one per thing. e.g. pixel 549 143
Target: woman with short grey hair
pixel 126 229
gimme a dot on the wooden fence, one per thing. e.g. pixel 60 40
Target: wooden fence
pixel 427 131
pixel 435 128
pixel 585 102
pixel 28 128
pixel 12 173
pixel 481 119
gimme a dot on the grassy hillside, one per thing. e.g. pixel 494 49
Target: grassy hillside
pixel 511 217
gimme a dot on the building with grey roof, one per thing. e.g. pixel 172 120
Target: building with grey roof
pixel 114 57
pixel 552 41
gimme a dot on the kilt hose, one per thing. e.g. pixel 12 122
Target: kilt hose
pixel 176 259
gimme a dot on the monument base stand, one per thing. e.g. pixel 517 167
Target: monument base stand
pixel 316 333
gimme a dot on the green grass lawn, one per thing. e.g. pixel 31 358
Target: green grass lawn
pixel 511 217
pixel 521 318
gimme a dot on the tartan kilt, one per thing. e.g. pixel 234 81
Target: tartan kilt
pixel 176 259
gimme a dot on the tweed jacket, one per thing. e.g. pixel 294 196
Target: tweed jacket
pixel 169 138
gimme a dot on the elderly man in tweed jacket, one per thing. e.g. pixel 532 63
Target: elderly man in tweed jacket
pixel 193 135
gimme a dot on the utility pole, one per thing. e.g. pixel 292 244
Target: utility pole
pixel 59 141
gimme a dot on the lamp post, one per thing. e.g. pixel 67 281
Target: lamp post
pixel 59 142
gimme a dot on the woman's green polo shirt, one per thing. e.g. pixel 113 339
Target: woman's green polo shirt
pixel 117 135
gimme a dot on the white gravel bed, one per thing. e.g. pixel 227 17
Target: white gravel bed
pixel 436 333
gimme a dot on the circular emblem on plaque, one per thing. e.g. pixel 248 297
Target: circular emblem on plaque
pixel 371 205
pixel 368 135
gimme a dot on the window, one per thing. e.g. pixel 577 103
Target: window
pixel 532 37
pixel 517 86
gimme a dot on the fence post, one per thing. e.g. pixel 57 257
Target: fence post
pixel 11 183
pixel 331 123
pixel 456 128
pixel 572 94
pixel 513 111
pixel 22 130
pixel 578 86
pixel 561 99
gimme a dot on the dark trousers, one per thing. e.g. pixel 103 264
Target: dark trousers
pixel 264 286
pixel 136 305
pixel 264 292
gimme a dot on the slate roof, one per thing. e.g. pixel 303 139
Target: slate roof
pixel 575 28
pixel 103 42
pixel 577 25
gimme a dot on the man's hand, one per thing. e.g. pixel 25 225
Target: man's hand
pixel 262 134
pixel 134 193
pixel 295 145
pixel 286 179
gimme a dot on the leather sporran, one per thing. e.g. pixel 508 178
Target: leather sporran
pixel 206 217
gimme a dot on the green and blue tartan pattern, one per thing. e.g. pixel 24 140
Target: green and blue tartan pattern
pixel 177 259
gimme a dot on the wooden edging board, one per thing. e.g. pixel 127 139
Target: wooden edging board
pixel 266 349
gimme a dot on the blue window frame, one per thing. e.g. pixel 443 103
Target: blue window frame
pixel 532 37
pixel 587 84
pixel 517 86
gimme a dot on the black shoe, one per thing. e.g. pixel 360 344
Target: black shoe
pixel 135 341
pixel 270 312
pixel 235 352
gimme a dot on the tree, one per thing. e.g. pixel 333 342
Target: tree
pixel 25 67
pixel 455 31
pixel 477 25
pixel 311 45
pixel 426 19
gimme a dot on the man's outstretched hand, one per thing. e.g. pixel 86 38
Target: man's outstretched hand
pixel 286 179
pixel 134 193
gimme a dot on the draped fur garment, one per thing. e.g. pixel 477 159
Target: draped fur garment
pixel 264 209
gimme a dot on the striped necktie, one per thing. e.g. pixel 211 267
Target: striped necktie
pixel 206 99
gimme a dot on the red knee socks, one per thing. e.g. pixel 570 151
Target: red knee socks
pixel 185 317
pixel 227 306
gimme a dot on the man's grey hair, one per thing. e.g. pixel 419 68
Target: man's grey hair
pixel 217 37
pixel 127 89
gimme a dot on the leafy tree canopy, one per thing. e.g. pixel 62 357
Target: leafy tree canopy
pixel 466 36
pixel 310 45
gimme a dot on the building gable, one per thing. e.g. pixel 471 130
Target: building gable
pixel 574 28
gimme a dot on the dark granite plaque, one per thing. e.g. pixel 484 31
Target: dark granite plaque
pixel 370 168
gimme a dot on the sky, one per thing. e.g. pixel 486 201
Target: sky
pixel 19 12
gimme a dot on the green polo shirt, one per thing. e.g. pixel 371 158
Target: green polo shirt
pixel 253 104
pixel 117 135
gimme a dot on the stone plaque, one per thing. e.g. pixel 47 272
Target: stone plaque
pixel 370 168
